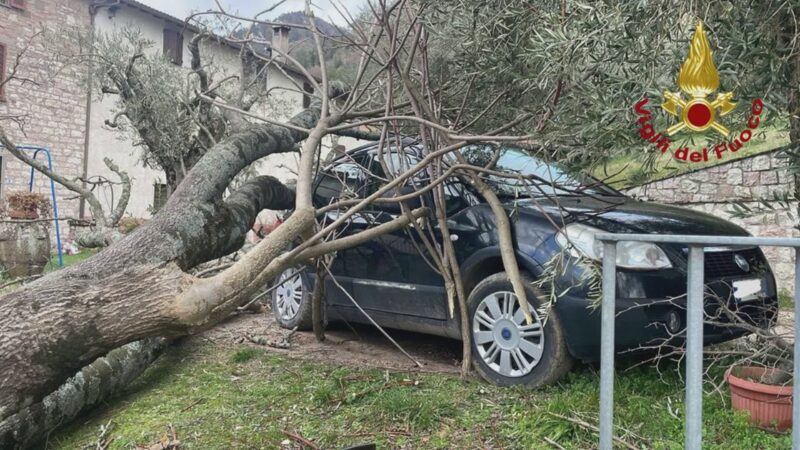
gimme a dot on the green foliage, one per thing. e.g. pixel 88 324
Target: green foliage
pixel 158 120
pixel 579 67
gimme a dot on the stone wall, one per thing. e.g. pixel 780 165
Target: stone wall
pixel 713 189
pixel 53 104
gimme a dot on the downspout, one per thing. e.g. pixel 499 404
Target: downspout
pixel 94 6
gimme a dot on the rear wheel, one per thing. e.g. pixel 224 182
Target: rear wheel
pixel 506 349
pixel 291 300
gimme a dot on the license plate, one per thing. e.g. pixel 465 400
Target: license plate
pixel 746 290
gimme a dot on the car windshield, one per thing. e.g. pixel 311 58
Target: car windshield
pixel 542 178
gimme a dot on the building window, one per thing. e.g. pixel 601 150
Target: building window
pixel 173 46
pixel 2 72
pixel 159 196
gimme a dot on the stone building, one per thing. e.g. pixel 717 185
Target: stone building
pixel 172 35
pixel 59 112
pixel 746 180
pixel 52 112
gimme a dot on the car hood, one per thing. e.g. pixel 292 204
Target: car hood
pixel 621 214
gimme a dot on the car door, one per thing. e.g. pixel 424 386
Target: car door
pixel 400 276
pixel 344 179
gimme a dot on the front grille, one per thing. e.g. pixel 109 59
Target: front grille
pixel 723 264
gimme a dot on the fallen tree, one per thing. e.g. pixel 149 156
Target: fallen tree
pixel 141 287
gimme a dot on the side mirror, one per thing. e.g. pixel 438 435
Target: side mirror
pixel 394 207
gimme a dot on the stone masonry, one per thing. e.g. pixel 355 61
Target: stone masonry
pixel 713 189
pixel 54 112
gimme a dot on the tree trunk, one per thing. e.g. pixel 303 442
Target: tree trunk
pixel 137 287
pixel 94 383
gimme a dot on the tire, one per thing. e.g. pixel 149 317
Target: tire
pixel 501 352
pixel 291 300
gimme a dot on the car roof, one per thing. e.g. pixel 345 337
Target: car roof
pixel 406 141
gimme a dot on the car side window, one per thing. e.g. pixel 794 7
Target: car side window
pixel 457 196
pixel 342 181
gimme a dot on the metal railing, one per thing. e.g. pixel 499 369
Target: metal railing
pixel 693 431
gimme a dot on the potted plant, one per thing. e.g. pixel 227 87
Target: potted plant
pixel 27 205
pixel 764 392
pixel 24 241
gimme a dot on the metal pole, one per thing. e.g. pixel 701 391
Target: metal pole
pixel 36 150
pixel 694 349
pixel 55 208
pixel 795 383
pixel 607 315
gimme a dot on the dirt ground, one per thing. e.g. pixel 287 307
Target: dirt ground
pixel 366 347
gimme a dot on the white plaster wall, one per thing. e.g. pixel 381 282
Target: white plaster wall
pixel 283 101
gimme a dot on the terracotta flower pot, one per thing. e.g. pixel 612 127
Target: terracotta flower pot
pixel 21 214
pixel 769 406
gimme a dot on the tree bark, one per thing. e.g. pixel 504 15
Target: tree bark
pixel 100 380
pixel 137 288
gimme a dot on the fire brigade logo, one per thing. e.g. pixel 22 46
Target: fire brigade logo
pixel 698 78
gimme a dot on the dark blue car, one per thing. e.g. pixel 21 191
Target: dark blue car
pixel 393 279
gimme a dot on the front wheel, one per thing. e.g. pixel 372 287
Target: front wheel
pixel 291 300
pixel 508 351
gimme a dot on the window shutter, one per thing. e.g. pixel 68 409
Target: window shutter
pixel 178 49
pixel 19 4
pixel 2 70
pixel 173 46
pixel 169 43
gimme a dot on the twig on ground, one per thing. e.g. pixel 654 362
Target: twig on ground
pixel 554 443
pixel 104 440
pixel 191 405
pixel 282 344
pixel 587 426
pixel 300 439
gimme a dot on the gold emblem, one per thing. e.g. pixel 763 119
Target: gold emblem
pixel 698 78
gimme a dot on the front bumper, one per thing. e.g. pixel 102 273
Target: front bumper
pixel 641 323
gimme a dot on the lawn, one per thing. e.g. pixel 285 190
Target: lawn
pixel 223 397
pixel 628 170
pixel 70 259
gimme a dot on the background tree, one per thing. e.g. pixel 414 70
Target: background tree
pixel 157 103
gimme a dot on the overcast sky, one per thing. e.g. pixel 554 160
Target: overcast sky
pixel 324 9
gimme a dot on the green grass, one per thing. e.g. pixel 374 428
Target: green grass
pixel 50 267
pixel 627 170
pixel 70 259
pixel 223 398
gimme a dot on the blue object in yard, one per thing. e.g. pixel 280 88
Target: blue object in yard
pixel 36 149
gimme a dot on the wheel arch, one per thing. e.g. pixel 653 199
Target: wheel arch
pixel 488 261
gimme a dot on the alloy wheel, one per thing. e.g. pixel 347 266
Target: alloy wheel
pixel 288 294
pixel 505 342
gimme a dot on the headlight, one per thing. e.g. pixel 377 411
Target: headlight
pixel 580 240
